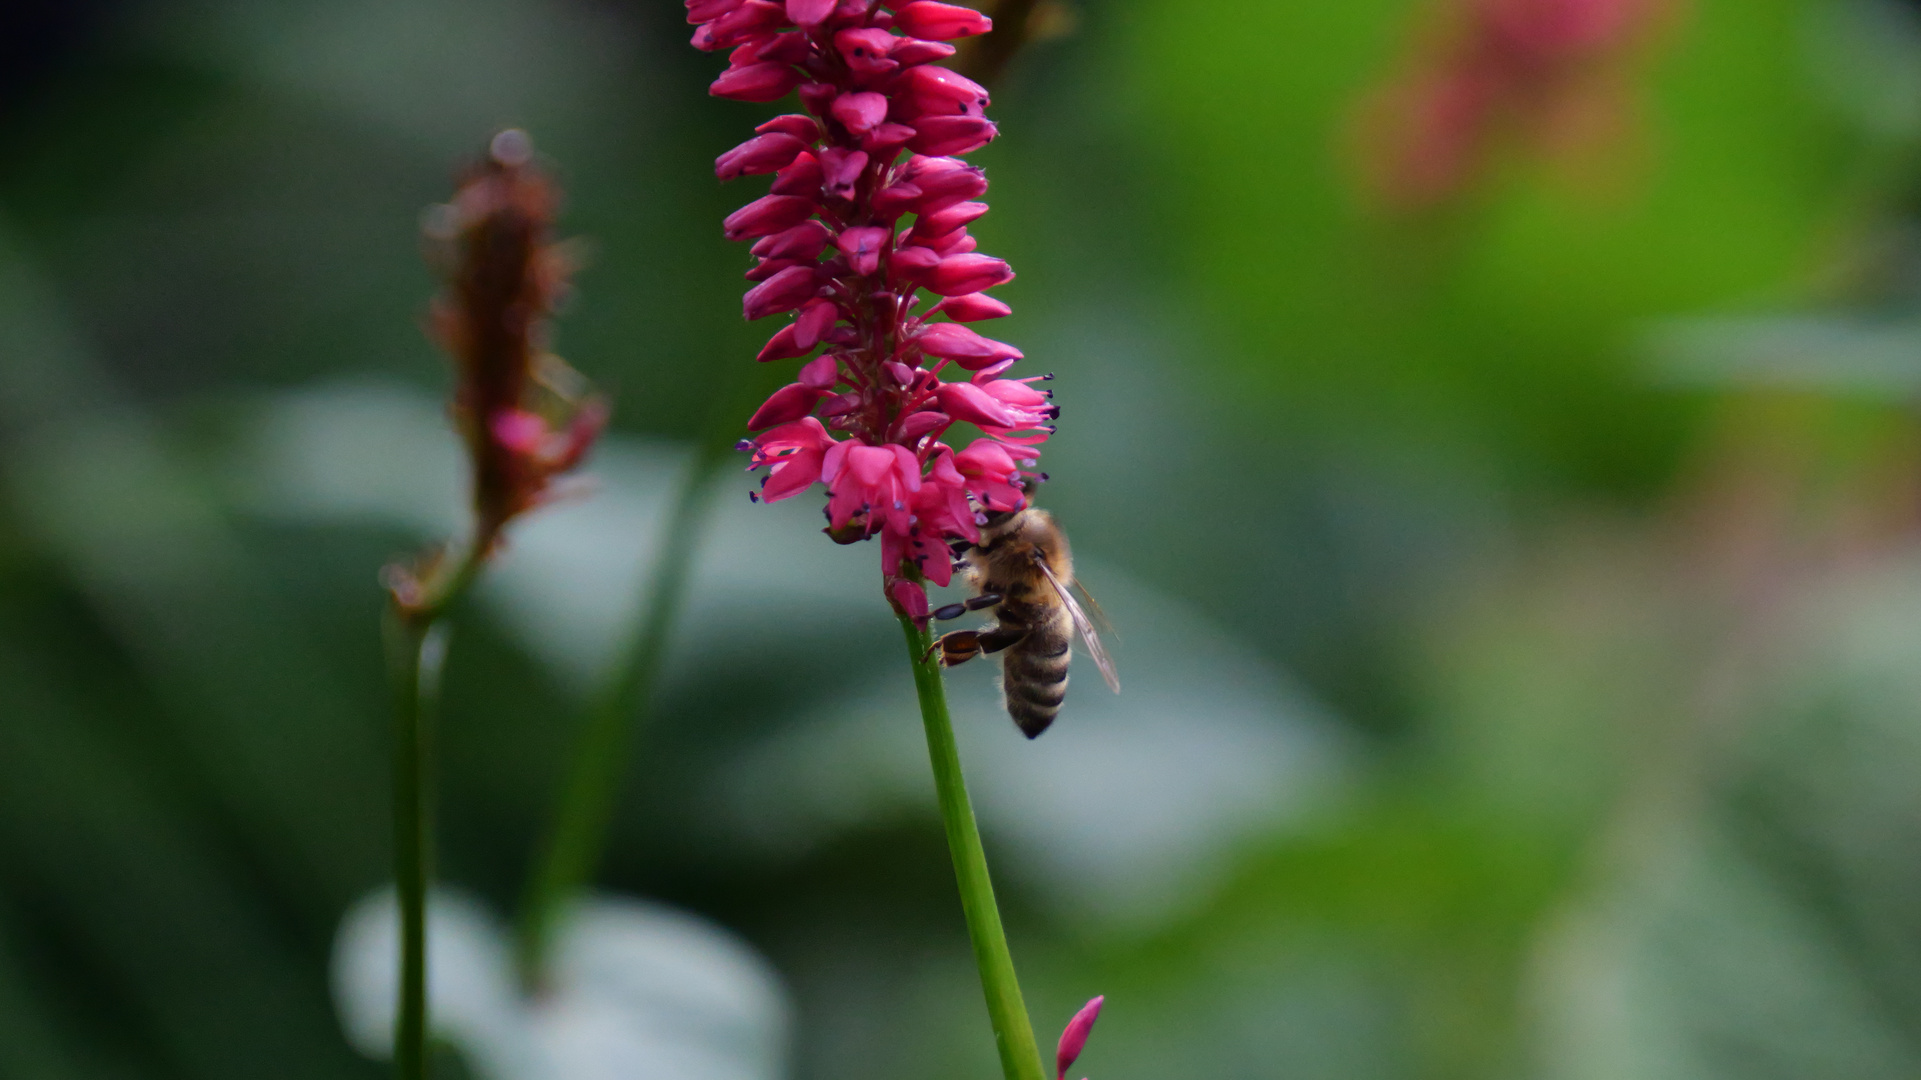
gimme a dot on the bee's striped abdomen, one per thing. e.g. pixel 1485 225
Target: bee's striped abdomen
pixel 1034 669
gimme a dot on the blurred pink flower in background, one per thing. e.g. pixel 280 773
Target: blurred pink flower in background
pixel 1552 73
pixel 877 144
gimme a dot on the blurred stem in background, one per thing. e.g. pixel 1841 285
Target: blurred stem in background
pixel 1013 1031
pixel 573 846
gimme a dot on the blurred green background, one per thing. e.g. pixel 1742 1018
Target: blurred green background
pixel 1519 601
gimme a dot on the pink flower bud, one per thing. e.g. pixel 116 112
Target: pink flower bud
pixel 942 22
pixel 804 128
pixel 954 243
pixel 784 291
pixel 892 202
pixel 968 273
pixel 781 346
pixel 700 11
pixel 821 373
pixel 946 220
pixel 1074 1039
pixel 916 51
pixel 816 318
pixel 753 18
pixel 963 346
pixel 789 48
pixel 965 401
pixel 888 138
pixel 818 96
pixel 760 154
pixel 802 178
pixel 944 181
pixel 860 112
pixel 921 423
pixel 769 267
pixel 755 82
pixel 972 307
pixel 520 431
pixel 912 262
pixel 767 215
pixel 867 51
pixel 951 134
pixel 809 12
pixel 909 598
pixel 863 246
pixel 840 170
pixel 803 241
pixel 936 90
pixel 789 403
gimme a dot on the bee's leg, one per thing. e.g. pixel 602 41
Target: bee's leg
pixel 955 611
pixel 960 646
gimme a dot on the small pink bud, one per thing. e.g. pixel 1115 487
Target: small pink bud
pixel 867 51
pixel 968 273
pixel 861 112
pixel 840 170
pixel 944 181
pixel 921 423
pixel 803 241
pixel 972 307
pixel 820 373
pixel 818 96
pixel 519 431
pixel 963 346
pixel 769 267
pixel 789 403
pixel 888 137
pixel 1074 1038
pixel 815 319
pixel 753 18
pixel 809 12
pixel 767 215
pixel 939 91
pixel 965 401
pixel 802 178
pixel 804 128
pixel 942 22
pixel 863 246
pixel 916 51
pixel 760 154
pixel 789 48
pixel 781 346
pixel 784 291
pixel 910 598
pixel 700 11
pixel 912 262
pixel 946 220
pixel 755 82
pixel 892 202
pixel 951 134
pixel 954 243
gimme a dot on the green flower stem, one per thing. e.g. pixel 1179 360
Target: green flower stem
pixel 414 665
pixel 572 849
pixel 1013 1032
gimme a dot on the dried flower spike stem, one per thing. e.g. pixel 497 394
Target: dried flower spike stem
pixel 525 420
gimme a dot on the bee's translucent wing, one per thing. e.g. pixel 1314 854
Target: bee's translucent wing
pixel 1095 650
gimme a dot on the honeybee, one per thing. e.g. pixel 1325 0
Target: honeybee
pixel 1022 569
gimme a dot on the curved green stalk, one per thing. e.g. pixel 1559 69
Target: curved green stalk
pixel 1013 1032
pixel 572 849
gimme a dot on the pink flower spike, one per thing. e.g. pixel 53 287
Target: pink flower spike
pixel 968 273
pixel 809 12
pixel 1074 1038
pixel 972 307
pixel 963 346
pixel 942 22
